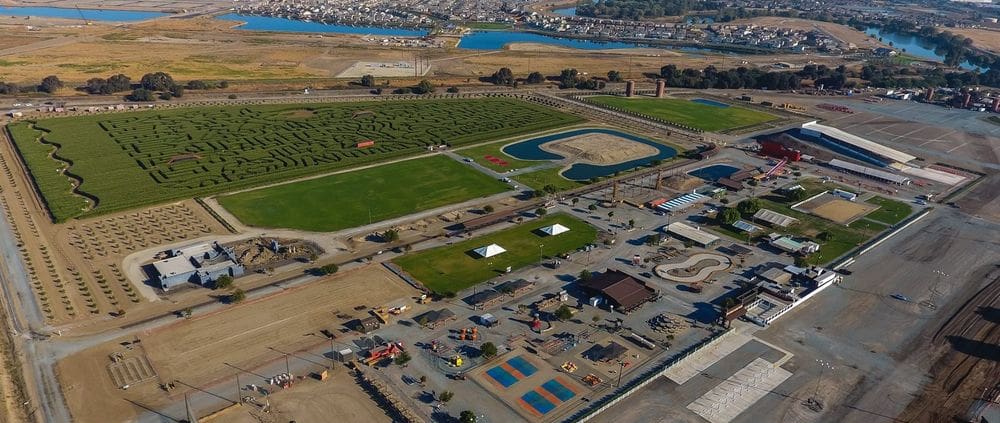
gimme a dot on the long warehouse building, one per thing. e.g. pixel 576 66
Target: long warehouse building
pixel 879 153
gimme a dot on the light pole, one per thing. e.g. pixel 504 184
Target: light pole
pixel 621 369
pixel 540 253
pixel 823 366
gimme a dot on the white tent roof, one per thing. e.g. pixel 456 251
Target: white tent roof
pixel 490 250
pixel 555 229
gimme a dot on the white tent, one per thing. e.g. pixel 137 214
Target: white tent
pixel 489 250
pixel 555 229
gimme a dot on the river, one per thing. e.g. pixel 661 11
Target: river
pixel 915 46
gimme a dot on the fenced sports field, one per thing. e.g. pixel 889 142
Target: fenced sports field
pixel 126 160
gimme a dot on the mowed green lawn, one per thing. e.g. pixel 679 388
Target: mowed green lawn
pixel 540 178
pixel 133 159
pixel 890 211
pixel 357 198
pixel 455 267
pixel 686 112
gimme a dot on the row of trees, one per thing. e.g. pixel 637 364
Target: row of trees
pixel 145 90
pixel 568 78
pixel 741 77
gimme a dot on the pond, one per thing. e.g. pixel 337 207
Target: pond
pixel 712 103
pixel 103 15
pixel 268 23
pixel 714 172
pixel 914 46
pixel 531 150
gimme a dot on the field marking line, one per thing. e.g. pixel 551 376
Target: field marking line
pixel 957 147
pixel 247 332
pixel 908 133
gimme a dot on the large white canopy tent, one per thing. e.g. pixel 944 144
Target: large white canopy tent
pixel 555 229
pixel 489 250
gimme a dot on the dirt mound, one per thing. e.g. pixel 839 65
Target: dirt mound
pixel 601 149
pixel 683 182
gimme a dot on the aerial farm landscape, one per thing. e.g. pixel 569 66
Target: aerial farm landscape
pixel 519 211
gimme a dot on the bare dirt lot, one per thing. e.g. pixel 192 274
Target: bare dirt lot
pixel 240 335
pixel 314 401
pixel 987 39
pixel 834 209
pixel 601 149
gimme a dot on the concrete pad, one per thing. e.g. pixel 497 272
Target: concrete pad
pixel 739 392
pixel 691 367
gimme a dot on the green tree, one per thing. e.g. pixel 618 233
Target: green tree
pixel 166 95
pixel 749 206
pixel 585 275
pixel 631 223
pixel 50 84
pixel 223 84
pixel 797 195
pixel 467 416
pixel 564 312
pixel 197 84
pixel 611 214
pixel 825 236
pixel 614 76
pixel 223 282
pixel 540 211
pixel 403 358
pixel 801 261
pixel 328 269
pixel 592 207
pixel 535 78
pixel 575 200
pixel 568 78
pixel 177 91
pixel 367 81
pixel 488 208
pixel 141 94
pixel 453 90
pixel 157 81
pixel 119 83
pixel 504 76
pixel 550 189
pixel 446 396
pixel 488 349
pixel 390 235
pixel 424 87
pixel 237 296
pixel 728 216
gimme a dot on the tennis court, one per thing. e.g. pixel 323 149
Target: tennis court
pixel 547 397
pixel 511 371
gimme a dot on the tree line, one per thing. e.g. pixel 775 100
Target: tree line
pixel 149 87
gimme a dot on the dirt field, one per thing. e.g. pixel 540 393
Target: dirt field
pixel 601 149
pixel 203 48
pixel 987 39
pixel 314 401
pixel 837 210
pixel 969 342
pixel 239 335
pixel 382 70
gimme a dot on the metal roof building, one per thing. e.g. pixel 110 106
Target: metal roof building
pixel 682 202
pixel 745 226
pixel 813 128
pixel 702 238
pixel 869 172
pixel 774 218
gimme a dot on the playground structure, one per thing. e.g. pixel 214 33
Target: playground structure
pixel 390 351
pixel 693 270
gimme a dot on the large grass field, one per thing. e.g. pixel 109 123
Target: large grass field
pixel 453 268
pixel 356 198
pixel 686 112
pixel 540 178
pixel 889 212
pixel 132 159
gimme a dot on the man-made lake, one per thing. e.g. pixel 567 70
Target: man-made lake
pixel 531 150
pixel 89 14
pixel 267 23
pixel 712 103
pixel 915 46
pixel 714 172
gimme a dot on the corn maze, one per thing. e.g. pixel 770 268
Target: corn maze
pixel 132 159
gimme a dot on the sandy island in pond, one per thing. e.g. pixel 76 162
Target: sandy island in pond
pixel 600 149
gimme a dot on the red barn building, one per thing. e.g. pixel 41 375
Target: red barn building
pixel 778 151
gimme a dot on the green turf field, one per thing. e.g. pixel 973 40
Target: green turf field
pixel 344 200
pixel 453 268
pixel 686 112
pixel 889 212
pixel 540 178
pixel 132 159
